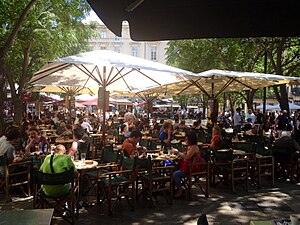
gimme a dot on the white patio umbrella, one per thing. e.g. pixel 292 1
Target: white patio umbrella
pixel 108 70
pixel 214 82
pixel 268 107
pixel 292 106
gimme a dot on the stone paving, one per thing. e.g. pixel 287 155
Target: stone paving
pixel 221 207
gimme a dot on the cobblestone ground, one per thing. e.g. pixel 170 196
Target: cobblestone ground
pixel 221 207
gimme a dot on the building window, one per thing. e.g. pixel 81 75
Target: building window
pixel 134 51
pixel 117 38
pixel 103 48
pixel 116 49
pixel 103 34
pixel 153 53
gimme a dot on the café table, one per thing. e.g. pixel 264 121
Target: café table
pixel 236 152
pixel 261 222
pixel 26 217
pixel 66 142
pixel 180 136
pixel 162 157
pixel 48 130
pixel 198 143
pixel 175 141
pixel 87 169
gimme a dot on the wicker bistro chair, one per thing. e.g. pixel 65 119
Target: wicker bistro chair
pixel 120 183
pixel 155 179
pixel 64 206
pixel 15 175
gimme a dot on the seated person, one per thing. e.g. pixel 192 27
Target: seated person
pixel 197 124
pixel 285 146
pixel 282 150
pixel 182 126
pixel 33 140
pixel 130 147
pixel 63 130
pixel 6 147
pixel 166 135
pixel 176 124
pixel 248 125
pixel 215 142
pixel 80 144
pixel 155 126
pixel 192 155
pixel 57 163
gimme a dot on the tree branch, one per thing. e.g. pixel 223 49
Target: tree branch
pixel 17 26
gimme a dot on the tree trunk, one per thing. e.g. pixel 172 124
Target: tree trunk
pixel 3 52
pixel 18 109
pixel 2 97
pixel 249 98
pixel 282 97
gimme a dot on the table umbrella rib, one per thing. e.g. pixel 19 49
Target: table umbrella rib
pixel 38 76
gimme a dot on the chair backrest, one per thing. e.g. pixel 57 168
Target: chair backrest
pixel 121 139
pixel 110 156
pixel 144 164
pixel 223 156
pixel 153 145
pixel 144 143
pixel 155 135
pixel 3 160
pixel 201 136
pixel 246 146
pixel 53 178
pixel 128 163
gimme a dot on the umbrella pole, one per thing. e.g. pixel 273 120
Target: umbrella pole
pixel 104 106
pixel 265 89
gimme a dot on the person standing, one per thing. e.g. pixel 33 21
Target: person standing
pixel 251 115
pixel 281 123
pixel 237 120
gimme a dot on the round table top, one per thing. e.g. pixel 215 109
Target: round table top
pixel 163 157
pixel 87 164
pixel 61 140
pixel 175 141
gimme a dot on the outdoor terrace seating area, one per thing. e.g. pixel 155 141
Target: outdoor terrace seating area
pixel 106 179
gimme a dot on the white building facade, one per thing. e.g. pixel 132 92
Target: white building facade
pixel 150 50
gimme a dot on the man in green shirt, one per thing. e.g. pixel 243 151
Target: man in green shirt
pixel 61 163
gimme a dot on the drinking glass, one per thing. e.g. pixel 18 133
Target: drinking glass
pixel 83 156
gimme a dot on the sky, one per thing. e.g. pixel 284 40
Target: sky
pixel 93 17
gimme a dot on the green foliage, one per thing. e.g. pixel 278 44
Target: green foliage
pixel 238 54
pixel 204 54
pixel 52 29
